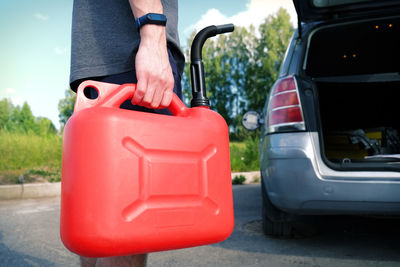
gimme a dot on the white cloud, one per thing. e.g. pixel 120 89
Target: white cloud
pixel 17 101
pixel 211 17
pixel 9 91
pixel 255 13
pixel 40 16
pixel 11 94
pixel 60 50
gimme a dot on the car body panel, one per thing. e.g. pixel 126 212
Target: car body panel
pixel 310 187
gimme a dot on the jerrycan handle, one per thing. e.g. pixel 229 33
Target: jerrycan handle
pixel 113 95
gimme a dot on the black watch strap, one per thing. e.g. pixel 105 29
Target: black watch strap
pixel 151 18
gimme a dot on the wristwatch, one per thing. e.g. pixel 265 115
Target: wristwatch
pixel 151 18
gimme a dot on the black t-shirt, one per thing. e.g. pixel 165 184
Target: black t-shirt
pixel 105 39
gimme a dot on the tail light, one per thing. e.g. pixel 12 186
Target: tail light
pixel 284 112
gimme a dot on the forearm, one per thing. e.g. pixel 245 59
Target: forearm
pixel 152 33
pixel 153 70
pixel 142 7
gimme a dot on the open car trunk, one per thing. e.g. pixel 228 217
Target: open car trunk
pixel 359 121
pixel 355 68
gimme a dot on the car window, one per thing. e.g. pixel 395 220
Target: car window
pixel 362 48
pixel 287 58
pixel 331 3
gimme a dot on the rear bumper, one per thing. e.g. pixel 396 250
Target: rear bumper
pixel 297 181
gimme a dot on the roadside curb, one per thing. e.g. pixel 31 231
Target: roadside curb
pixel 38 190
pixel 24 191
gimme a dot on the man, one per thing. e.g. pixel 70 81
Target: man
pixel 108 46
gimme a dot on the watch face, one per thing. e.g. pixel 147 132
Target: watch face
pixel 158 17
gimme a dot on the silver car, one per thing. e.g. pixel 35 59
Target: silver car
pixel 330 140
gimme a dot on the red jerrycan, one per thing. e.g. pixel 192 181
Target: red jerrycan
pixel 136 182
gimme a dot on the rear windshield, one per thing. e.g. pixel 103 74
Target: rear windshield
pixel 362 48
pixel 331 3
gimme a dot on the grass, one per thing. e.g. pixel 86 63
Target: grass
pixel 32 158
pixel 244 156
pixel 29 158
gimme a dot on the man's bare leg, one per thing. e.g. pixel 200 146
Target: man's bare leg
pixel 88 262
pixel 122 261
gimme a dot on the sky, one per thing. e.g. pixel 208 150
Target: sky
pixel 35 43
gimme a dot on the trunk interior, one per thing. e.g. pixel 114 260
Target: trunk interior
pixel 359 121
pixel 355 68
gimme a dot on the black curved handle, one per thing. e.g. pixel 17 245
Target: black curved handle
pixel 197 67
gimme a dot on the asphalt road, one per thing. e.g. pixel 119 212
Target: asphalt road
pixel 29 237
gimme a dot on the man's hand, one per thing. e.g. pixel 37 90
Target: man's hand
pixel 153 70
pixel 154 74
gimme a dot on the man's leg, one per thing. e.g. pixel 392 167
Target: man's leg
pixel 88 262
pixel 122 261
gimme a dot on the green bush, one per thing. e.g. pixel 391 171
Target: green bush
pixel 245 155
pixel 251 153
pixel 238 179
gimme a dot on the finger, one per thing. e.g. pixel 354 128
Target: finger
pixel 149 95
pixel 140 92
pixel 167 98
pixel 158 95
pixel 168 91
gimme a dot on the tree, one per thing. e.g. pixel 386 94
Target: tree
pixel 16 119
pixel 270 49
pixel 66 106
pixel 26 120
pixel 21 119
pixel 6 110
pixel 44 126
